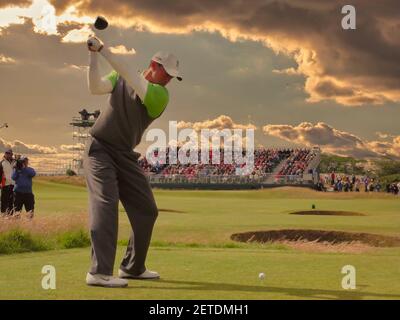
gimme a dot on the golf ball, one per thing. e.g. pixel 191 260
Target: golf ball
pixel 261 276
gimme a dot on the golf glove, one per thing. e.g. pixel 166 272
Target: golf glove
pixel 94 44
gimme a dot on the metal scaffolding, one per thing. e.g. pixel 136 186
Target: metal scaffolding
pixel 80 134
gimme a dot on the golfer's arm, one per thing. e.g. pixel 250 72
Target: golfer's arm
pixel 97 84
pixel 134 79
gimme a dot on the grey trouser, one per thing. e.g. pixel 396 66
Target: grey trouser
pixel 112 176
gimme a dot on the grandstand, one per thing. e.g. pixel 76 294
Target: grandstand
pixel 272 167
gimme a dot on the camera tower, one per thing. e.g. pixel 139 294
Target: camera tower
pixel 80 134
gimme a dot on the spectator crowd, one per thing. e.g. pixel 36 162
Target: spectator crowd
pixel 297 163
pixel 265 161
pixel 349 183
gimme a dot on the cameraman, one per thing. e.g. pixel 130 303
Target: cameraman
pixel 23 186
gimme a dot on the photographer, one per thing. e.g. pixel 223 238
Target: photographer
pixel 23 186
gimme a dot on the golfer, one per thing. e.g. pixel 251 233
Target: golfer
pixel 111 167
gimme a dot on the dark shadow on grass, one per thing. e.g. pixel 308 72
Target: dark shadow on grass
pixel 171 210
pixel 302 293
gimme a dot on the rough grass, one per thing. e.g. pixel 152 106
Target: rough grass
pixel 43 233
pixel 355 247
pixel 18 241
pixel 45 225
pixel 318 236
pixel 73 239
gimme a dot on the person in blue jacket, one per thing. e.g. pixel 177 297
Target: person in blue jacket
pixel 23 195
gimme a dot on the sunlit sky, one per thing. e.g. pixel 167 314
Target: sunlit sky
pixel 285 67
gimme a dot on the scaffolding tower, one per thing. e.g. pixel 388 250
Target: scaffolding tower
pixel 80 134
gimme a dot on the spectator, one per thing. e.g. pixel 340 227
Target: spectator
pixel 394 188
pixel 357 185
pixel 366 183
pixel 7 183
pixel 22 176
pixel 333 176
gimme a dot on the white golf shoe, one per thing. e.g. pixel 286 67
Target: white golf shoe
pixel 101 280
pixel 147 275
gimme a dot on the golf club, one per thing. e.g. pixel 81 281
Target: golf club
pixel 101 23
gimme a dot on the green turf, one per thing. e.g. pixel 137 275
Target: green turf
pixel 193 252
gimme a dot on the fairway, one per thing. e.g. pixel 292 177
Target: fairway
pixel 192 250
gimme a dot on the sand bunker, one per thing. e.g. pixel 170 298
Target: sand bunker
pixel 327 213
pixel 317 236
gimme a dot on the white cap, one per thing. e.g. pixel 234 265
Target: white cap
pixel 170 63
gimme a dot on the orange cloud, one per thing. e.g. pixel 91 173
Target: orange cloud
pixel 14 3
pixel 334 141
pixel 121 49
pixel 220 123
pixel 356 67
pixel 24 148
pixel 72 147
pixel 6 60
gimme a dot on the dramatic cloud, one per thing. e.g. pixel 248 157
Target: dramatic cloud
pixel 6 60
pixel 20 147
pixel 77 35
pixel 334 141
pixel 72 147
pixel 351 67
pixel 43 62
pixel 24 148
pixel 220 123
pixel 121 49
pixel 14 3
pixel 383 135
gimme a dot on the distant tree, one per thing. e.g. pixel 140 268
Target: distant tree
pixel 347 165
pixel 388 167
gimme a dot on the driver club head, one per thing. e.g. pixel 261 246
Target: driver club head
pixel 101 23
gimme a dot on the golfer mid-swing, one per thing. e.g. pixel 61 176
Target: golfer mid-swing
pixel 111 167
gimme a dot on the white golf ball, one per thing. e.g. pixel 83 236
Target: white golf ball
pixel 261 276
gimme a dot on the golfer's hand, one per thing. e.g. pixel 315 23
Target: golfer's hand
pixel 94 44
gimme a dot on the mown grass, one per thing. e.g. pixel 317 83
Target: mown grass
pixel 226 245
pixel 210 273
pixel 192 250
